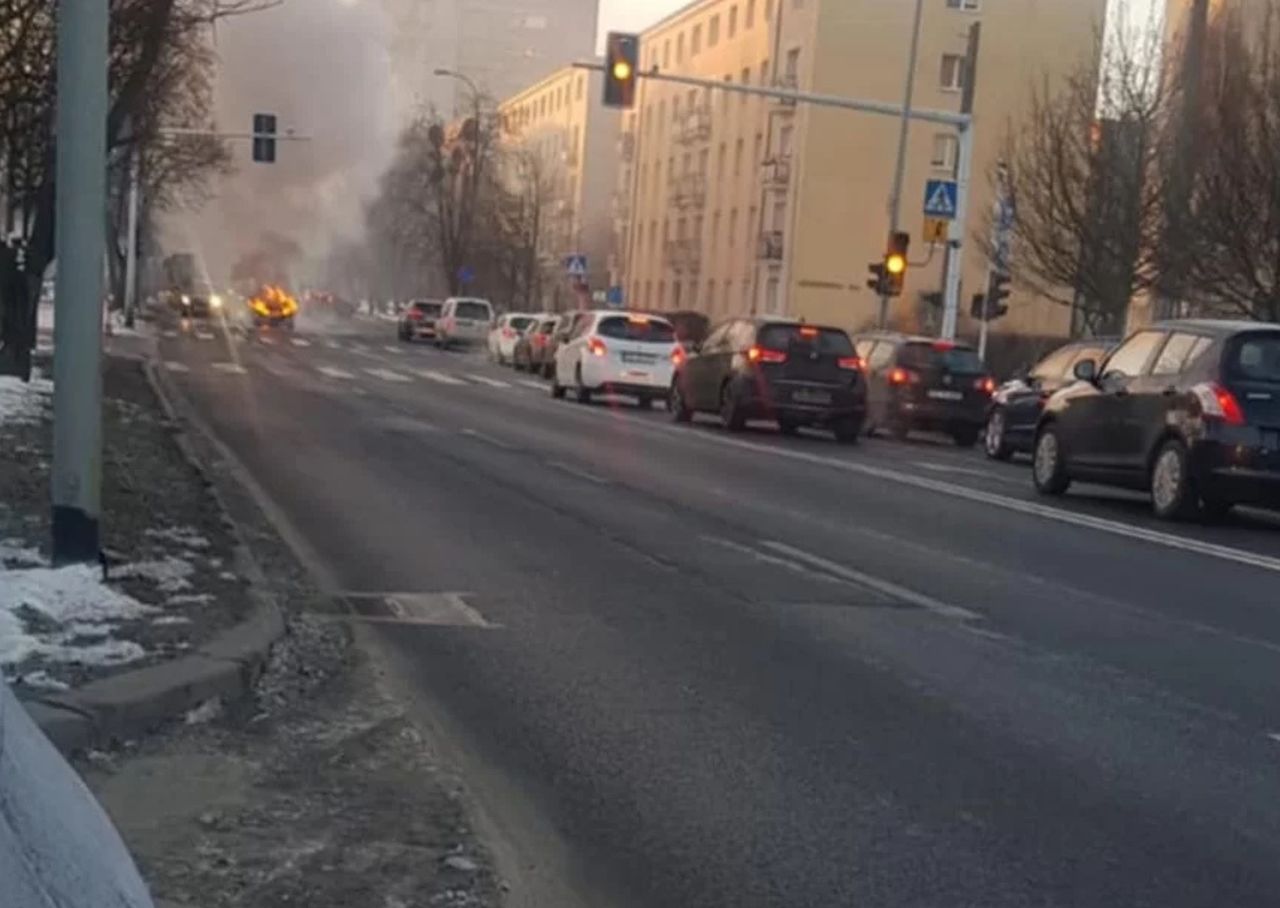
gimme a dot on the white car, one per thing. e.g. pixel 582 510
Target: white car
pixel 626 353
pixel 505 333
pixel 463 320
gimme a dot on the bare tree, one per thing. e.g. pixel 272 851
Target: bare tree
pixel 1085 174
pixel 152 42
pixel 523 224
pixel 1233 268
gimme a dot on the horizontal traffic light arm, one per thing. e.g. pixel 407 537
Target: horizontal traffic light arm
pixel 961 121
pixel 213 134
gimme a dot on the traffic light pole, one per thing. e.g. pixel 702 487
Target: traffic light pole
pixel 962 122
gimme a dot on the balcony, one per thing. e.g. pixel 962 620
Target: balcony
pixel 689 190
pixel 694 126
pixel 787 82
pixel 777 172
pixel 683 255
pixel 771 246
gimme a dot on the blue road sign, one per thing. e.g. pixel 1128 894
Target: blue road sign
pixel 614 295
pixel 466 274
pixel 576 265
pixel 940 199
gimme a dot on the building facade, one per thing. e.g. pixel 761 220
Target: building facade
pixel 732 204
pixel 560 148
pixel 501 45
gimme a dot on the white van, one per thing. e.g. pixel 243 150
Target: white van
pixel 464 320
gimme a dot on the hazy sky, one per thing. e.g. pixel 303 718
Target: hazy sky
pixel 633 15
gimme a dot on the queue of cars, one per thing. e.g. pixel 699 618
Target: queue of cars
pixel 1186 410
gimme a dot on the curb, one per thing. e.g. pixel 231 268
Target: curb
pixel 226 667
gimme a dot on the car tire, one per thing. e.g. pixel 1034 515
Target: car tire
pixel 847 431
pixel 788 427
pixel 1049 463
pixel 966 437
pixel 995 441
pixel 644 403
pixel 677 405
pixel 548 372
pixel 1173 494
pixel 557 389
pixel 730 410
pixel 581 391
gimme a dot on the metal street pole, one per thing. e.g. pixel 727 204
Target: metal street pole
pixel 80 243
pixel 131 254
pixel 895 196
pixel 955 242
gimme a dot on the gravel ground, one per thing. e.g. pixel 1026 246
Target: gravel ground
pixel 175 548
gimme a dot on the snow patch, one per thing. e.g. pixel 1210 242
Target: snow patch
pixel 23 403
pixel 170 575
pixel 190 599
pixel 13 554
pixel 187 537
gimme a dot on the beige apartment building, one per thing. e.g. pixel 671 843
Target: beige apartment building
pixel 734 204
pixel 562 144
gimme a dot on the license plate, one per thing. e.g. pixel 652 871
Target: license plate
pixel 637 373
pixel 803 396
pixel 636 357
pixel 947 395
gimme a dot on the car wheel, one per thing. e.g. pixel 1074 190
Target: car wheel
pixel 1173 495
pixel 730 411
pixel 548 371
pixel 847 431
pixel 994 442
pixel 582 391
pixel 557 389
pixel 644 403
pixel 965 437
pixel 677 405
pixel 788 426
pixel 1049 464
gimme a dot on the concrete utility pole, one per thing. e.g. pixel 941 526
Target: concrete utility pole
pixel 900 168
pixel 131 254
pixel 80 243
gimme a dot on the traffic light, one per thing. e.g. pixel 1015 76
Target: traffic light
pixel 621 62
pixel 978 306
pixel 895 263
pixel 876 281
pixel 997 291
pixel 264 138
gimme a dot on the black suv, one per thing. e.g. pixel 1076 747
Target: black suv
pixel 1189 410
pixel 924 383
pixel 773 369
pixel 1015 408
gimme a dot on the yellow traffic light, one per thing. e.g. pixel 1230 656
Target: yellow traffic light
pixel 895 264
pixel 622 70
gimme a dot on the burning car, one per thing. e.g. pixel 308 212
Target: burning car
pixel 273 306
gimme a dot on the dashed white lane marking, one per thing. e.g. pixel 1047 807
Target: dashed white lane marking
pixel 174 366
pixel 230 368
pixel 300 342
pixel 580 474
pixel 269 341
pixel 333 345
pixel 391 348
pixel 203 336
pixel 169 333
pixel 335 372
pixel 488 439
pixel 486 380
pixel 387 375
pixel 442 378
pixel 530 383
pixel 887 587
pixel 1274 736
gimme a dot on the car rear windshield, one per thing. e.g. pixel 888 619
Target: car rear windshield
pixel 1255 357
pixel 477 311
pixel 547 326
pixel 429 308
pixel 643 330
pixel 957 360
pixel 831 341
pixel 520 322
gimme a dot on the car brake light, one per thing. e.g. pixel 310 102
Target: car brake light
pixel 413 315
pixel 807 331
pixel 638 319
pixel 597 347
pixel 900 376
pixel 677 355
pixel 1218 402
pixel 852 363
pixel 986 385
pixel 943 346
pixel 758 354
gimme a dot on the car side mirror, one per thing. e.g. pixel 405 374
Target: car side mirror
pixel 1086 370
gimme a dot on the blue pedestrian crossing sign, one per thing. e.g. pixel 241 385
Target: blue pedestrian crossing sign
pixel 940 199
pixel 576 265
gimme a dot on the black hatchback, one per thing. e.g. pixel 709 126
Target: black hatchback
pixel 1016 405
pixel 924 383
pixel 1188 410
pixel 788 372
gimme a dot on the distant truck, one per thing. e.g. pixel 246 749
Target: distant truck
pixel 187 293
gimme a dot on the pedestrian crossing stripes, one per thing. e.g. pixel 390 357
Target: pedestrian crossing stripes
pixel 441 377
pixel 486 380
pixel 387 375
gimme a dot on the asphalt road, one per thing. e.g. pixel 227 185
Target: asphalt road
pixel 742 670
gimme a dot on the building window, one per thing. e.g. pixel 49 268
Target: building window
pixel 679 48
pixel 662 294
pixel 945 146
pixel 952 75
pixel 675 110
pixel 737 159
pixel 764 74
pixel 720 161
pixel 768 10
pixel 581 82
pixel 711 295
pixel 746 80
pixel 666 54
pixel 733 20
pixel 969 6
pixel 758 159
pixel 713 31
pixel 793 63
pixel 724 95
pixel 751 14
pixel 728 297
pixel 695 41
pixel 733 228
